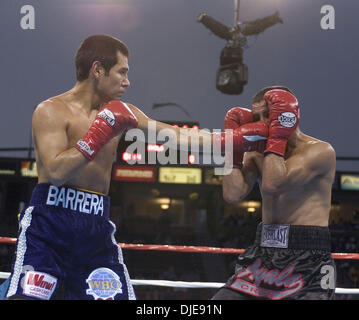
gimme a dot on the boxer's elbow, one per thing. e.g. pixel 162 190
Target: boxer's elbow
pixel 273 188
pixel 56 177
pixel 234 189
pixel 231 195
pixel 57 180
pixel 230 198
pixel 63 168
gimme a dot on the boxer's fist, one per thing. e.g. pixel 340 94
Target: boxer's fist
pixel 250 137
pixel 283 119
pixel 111 120
pixel 236 117
pixel 123 117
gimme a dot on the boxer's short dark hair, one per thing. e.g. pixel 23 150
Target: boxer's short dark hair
pixel 259 96
pixel 99 47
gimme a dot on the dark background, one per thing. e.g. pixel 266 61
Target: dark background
pixel 175 59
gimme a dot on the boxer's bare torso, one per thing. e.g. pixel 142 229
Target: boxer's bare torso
pixel 58 124
pixel 295 189
pixel 304 198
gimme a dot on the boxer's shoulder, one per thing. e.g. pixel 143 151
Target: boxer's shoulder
pixel 310 145
pixel 319 146
pixel 316 154
pixel 52 109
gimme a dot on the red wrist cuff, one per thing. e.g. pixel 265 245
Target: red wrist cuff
pixel 86 149
pixel 277 146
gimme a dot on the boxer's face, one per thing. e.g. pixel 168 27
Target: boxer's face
pixel 260 111
pixel 113 85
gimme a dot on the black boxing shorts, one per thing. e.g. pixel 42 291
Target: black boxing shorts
pixel 285 262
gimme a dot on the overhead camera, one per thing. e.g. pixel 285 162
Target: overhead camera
pixel 232 74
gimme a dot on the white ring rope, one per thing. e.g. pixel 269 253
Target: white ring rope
pixel 176 284
pixel 4 275
pixel 184 284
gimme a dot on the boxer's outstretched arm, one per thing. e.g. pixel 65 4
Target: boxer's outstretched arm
pixel 193 138
pixel 281 175
pixel 240 182
pixel 49 127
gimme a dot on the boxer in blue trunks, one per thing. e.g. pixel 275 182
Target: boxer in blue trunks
pixel 66 242
pixel 66 247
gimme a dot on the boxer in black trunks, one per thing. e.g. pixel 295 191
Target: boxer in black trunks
pixel 291 256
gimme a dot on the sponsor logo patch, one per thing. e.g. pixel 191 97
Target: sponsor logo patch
pixel 287 119
pixel 39 285
pixel 103 284
pixel 275 235
pixel 273 284
pixel 108 116
pixel 85 147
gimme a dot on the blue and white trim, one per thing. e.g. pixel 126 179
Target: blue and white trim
pixel 21 250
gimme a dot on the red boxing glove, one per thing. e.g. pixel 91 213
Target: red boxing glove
pixel 234 118
pixel 283 119
pixel 110 121
pixel 248 137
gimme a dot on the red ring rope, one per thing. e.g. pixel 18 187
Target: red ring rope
pixel 159 247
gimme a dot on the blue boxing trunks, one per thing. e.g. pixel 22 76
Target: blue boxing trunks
pixel 66 249
pixel 285 262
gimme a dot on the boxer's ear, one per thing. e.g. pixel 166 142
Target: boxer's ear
pixel 97 69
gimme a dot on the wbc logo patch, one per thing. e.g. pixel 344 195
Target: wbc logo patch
pixel 104 284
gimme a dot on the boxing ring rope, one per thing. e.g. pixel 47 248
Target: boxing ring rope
pixel 184 284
